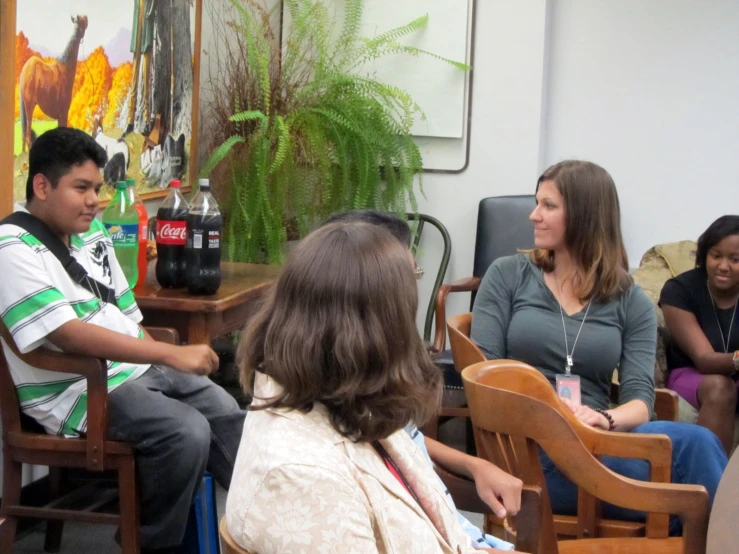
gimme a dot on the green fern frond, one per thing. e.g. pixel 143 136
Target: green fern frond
pixel 417 51
pixel 399 32
pixel 249 115
pixel 283 144
pixel 219 154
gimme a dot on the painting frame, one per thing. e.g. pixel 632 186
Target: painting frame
pixel 8 105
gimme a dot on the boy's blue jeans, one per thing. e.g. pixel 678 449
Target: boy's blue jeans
pixel 179 424
pixel 697 459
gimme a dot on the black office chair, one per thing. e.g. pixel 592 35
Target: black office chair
pixel 503 228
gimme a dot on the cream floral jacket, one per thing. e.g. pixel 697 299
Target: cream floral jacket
pixel 300 487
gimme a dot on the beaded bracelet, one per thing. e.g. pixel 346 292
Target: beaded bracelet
pixel 609 417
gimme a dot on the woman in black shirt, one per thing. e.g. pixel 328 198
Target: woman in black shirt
pixel 700 308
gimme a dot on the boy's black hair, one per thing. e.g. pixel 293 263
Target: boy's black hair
pixel 723 227
pixel 392 223
pixel 55 152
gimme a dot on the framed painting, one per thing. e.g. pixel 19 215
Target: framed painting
pixel 126 72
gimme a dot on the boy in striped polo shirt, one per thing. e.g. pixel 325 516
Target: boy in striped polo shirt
pixel 160 398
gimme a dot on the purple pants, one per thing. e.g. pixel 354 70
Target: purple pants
pixel 685 382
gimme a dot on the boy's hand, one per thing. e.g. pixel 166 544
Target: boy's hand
pixel 197 359
pixel 498 489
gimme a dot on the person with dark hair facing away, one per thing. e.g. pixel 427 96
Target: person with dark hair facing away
pixel 501 491
pixel 159 396
pixel 337 369
pixel 700 308
pixel 570 307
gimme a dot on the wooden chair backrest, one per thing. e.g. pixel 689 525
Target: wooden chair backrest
pixel 514 408
pixel 9 408
pixel 227 542
pixel 464 351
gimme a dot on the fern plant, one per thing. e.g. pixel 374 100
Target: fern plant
pixel 298 131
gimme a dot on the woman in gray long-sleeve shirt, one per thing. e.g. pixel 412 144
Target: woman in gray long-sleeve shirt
pixel 571 303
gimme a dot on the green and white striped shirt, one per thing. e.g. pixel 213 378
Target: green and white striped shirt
pixel 37 296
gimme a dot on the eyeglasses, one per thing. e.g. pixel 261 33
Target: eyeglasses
pixel 419 271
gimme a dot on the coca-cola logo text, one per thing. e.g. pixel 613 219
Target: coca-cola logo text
pixel 171 232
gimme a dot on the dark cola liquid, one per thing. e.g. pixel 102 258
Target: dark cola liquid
pixel 203 253
pixel 170 238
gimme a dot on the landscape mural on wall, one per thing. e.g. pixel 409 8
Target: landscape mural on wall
pixel 121 71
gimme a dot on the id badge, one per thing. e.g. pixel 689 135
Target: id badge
pixel 568 386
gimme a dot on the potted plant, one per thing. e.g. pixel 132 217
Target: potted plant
pixel 301 131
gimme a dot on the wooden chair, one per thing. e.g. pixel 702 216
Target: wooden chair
pixel 227 543
pixel 514 408
pixel 93 452
pixel 466 353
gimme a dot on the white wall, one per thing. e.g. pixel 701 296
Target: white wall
pixel 647 88
pixel 650 90
pixel 506 138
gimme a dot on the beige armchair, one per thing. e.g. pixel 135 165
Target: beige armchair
pixel 660 263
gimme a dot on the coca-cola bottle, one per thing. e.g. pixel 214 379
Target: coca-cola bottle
pixel 203 248
pixel 170 237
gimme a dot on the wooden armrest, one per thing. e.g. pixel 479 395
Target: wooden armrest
pixel 601 482
pixel 60 362
pixel 164 334
pixel 528 521
pixel 95 372
pixel 463 491
pixel 666 405
pixel 656 449
pixel 468 284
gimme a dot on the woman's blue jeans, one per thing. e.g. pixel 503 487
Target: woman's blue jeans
pixel 697 459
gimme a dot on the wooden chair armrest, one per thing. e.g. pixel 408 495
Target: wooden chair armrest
pixel 656 449
pixel 164 334
pixel 599 481
pixel 463 491
pixel 666 405
pixel 95 372
pixel 468 284
pixel 528 521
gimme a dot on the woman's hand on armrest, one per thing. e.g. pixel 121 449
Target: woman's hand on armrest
pixel 625 417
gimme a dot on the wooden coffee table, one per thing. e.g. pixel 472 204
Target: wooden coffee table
pixel 200 319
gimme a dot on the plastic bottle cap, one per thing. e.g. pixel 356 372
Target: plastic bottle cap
pixel 204 183
pixel 130 183
pixel 175 184
pixel 121 185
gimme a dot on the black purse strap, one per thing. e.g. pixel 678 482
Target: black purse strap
pixel 56 246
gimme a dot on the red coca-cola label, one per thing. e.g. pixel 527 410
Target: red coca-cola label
pixel 171 232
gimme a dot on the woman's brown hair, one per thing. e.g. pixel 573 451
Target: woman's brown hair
pixel 338 327
pixel 592 230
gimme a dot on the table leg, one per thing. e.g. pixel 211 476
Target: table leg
pixel 199 329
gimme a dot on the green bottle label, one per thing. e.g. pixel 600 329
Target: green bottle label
pixel 123 235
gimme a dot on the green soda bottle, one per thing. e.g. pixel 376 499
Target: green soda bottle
pixel 122 222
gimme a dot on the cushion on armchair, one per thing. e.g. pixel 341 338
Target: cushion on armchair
pixel 660 263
